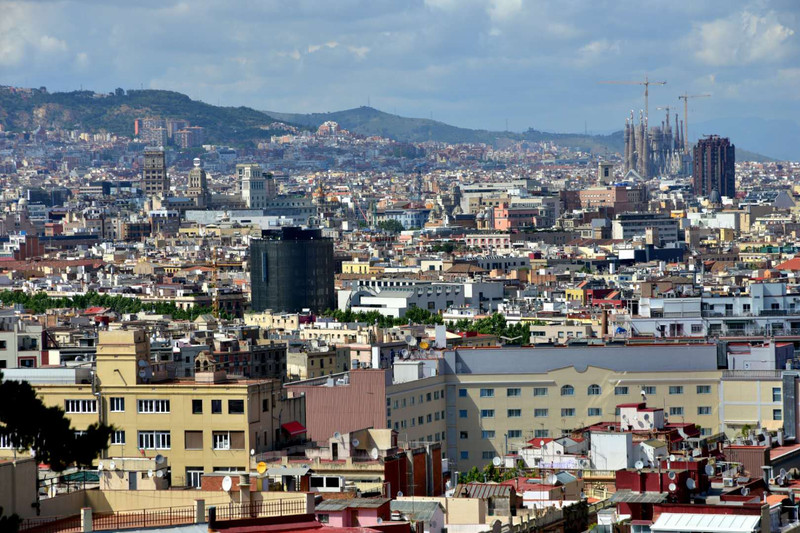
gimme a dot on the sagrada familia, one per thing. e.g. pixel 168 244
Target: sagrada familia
pixel 657 151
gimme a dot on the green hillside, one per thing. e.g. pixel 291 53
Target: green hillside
pixel 116 113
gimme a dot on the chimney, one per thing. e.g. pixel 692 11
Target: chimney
pixel 780 437
pixel 766 474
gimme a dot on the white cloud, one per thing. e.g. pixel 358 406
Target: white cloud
pixel 742 38
pixel 504 9
pixel 21 36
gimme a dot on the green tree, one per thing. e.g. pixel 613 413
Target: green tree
pixel 29 424
pixel 392 226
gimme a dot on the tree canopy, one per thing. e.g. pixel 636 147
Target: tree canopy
pixel 29 424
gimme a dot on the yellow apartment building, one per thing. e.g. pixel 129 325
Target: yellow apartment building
pixel 206 424
pixel 751 399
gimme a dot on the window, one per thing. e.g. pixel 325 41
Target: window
pixel 265 405
pixel 429 417
pixel 704 410
pixel 193 440
pixel 595 411
pixel 118 437
pixel 567 411
pixel 567 390
pixel 649 389
pixel 235 407
pixel 705 432
pixel 323 518
pixel 487 434
pixel 154 440
pixel 462 393
pixel 463 435
pixel 462 413
pixel 420 420
pixel 697 328
pixel 488 455
pixel 776 394
pixel 216 407
pixel 541 433
pixel 487 413
pixel 153 406
pixel 117 405
pixel 228 440
pixel 514 433
pixel 428 397
pixel 676 411
pixel 464 455
pixel 487 393
pixel 193 475
pixel 80 406
pixel 513 392
pixel 540 391
pixel 594 390
pixel 620 391
pixel 676 389
pixel 704 389
pixel 5 442
pixel 777 414
pixel 539 413
pixel 514 413
pixel 197 407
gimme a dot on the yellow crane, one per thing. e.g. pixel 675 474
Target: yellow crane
pixel 685 97
pixel 647 83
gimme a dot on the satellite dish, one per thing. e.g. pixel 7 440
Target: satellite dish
pixel 404 353
pixel 690 484
pixel 410 340
pixel 399 494
pixel 424 345
pixel 227 483
pixel 671 475
pixel 374 453
pixel 646 416
pixel 100 465
pixel 150 473
pixel 673 487
pixel 142 363
pixel 745 491
pixel 639 465
pixel 355 443
pixel 552 479
pixel 709 470
pixel 497 461
pixel 672 458
pixel 337 435
pixel 160 459
pixel 261 467
pixel 142 373
pixel 380 520
pixel 160 473
pixel 541 442
pixel 783 472
pixel 252 452
pixel 112 465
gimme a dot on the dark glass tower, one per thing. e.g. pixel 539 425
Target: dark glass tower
pixel 292 269
pixel 714 168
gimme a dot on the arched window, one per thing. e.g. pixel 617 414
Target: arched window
pixel 567 390
pixel 594 390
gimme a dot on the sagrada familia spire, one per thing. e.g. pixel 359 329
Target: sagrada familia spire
pixel 653 151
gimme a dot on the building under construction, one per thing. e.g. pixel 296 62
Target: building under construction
pixel 656 151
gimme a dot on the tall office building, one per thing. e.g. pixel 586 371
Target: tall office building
pixel 154 174
pixel 291 270
pixel 714 159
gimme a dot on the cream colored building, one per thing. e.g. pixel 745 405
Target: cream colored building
pixel 751 399
pixel 206 424
pixel 310 363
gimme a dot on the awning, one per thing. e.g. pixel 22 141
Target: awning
pixel 293 428
pixel 708 523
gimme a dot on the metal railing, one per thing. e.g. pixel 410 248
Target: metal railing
pixel 51 524
pixel 171 516
pixel 234 511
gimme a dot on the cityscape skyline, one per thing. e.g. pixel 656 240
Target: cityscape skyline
pixel 478 64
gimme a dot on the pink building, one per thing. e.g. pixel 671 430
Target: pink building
pixel 355 512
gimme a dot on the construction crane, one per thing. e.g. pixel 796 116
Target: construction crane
pixel 685 97
pixel 647 83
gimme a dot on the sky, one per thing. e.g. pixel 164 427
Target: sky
pixel 471 63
